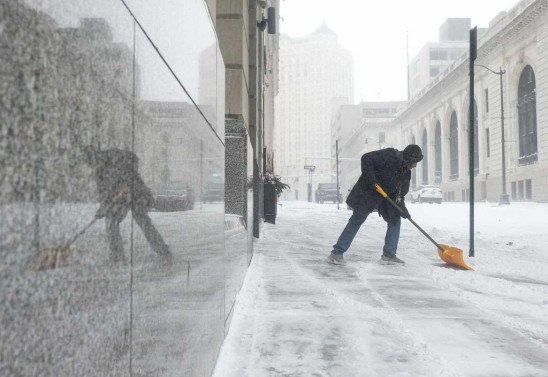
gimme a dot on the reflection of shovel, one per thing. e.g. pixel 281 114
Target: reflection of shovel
pixel 51 257
pixel 449 254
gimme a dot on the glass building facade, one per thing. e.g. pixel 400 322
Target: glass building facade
pixel 112 152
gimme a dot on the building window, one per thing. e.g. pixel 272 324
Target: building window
pixel 454 55
pixel 454 147
pixel 464 195
pixel 527 117
pixel 437 150
pixel 381 137
pixel 522 190
pixel 487 145
pixel 434 71
pixel 438 55
pixel 449 196
pixel 528 189
pixel 486 99
pixel 483 190
pixel 425 159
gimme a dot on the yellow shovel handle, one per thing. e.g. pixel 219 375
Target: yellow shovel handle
pixel 380 190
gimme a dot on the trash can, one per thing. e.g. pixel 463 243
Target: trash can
pixel 270 203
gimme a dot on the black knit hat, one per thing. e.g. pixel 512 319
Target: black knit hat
pixel 412 153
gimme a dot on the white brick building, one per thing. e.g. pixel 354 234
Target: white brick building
pixel 437 119
pixel 316 77
pixel 363 128
pixel 434 58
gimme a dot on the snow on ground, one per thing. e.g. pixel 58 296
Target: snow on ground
pixel 297 315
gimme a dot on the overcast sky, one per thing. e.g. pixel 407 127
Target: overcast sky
pixel 375 31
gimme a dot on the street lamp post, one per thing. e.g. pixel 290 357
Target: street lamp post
pixel 504 198
pixel 310 169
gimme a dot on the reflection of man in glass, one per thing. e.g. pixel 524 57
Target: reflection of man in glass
pixel 118 184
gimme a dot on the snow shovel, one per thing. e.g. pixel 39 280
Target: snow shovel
pixel 449 254
pixel 52 257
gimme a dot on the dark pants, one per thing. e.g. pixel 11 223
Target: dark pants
pixel 354 223
pixel 145 223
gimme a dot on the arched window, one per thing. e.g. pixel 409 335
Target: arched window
pixel 453 147
pixel 527 115
pixel 413 176
pixel 437 150
pixel 425 159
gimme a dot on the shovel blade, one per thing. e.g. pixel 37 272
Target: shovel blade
pixel 453 256
pixel 50 258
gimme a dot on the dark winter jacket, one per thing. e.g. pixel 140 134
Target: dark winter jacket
pixel 385 167
pixel 118 182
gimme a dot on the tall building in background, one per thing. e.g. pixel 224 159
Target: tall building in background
pixel 435 57
pixel 359 129
pixel 316 78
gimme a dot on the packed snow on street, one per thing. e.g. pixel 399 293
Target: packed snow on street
pixel 297 315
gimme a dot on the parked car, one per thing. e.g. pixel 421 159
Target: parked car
pixel 214 192
pixel 426 194
pixel 173 196
pixel 327 192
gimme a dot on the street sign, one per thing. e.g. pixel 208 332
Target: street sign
pixel 310 167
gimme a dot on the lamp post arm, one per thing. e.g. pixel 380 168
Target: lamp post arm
pixel 501 72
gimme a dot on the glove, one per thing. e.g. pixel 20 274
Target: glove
pixel 405 213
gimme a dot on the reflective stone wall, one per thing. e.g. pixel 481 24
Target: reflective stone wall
pixel 112 239
pixel 238 207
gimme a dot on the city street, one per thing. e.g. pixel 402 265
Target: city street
pixel 297 315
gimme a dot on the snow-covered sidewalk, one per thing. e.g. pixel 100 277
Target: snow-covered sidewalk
pixel 297 315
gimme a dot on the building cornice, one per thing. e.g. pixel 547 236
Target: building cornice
pixel 520 22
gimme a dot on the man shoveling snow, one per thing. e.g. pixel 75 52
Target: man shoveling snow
pixel 391 169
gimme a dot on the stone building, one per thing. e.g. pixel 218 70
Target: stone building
pixel 359 129
pixel 435 57
pixel 437 119
pixel 316 77
pixel 249 43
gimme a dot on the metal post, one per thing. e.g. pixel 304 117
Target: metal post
pixel 310 185
pixel 310 169
pixel 337 165
pixel 471 119
pixel 504 199
pixel 504 196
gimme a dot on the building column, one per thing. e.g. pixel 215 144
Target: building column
pixel 445 150
pixel 432 152
pixel 255 113
pixel 462 145
pixel 236 167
